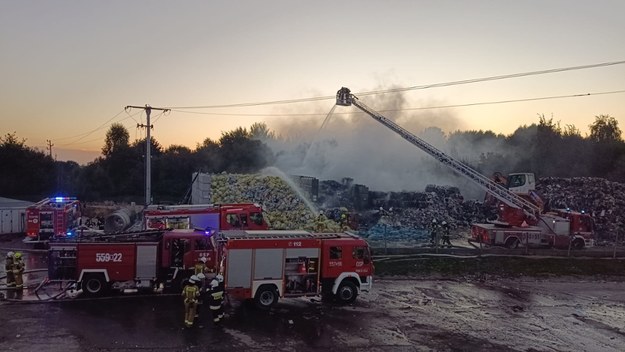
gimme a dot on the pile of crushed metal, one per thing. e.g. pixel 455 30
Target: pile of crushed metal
pixel 408 216
pixel 603 199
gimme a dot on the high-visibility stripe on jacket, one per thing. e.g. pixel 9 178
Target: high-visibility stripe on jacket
pixel 190 293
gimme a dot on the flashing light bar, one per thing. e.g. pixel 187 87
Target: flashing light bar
pixel 64 199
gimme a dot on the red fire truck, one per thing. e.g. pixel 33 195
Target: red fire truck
pixel 243 216
pixel 51 217
pixel 267 265
pixel 128 262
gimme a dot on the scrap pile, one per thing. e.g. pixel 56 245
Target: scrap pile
pixel 283 208
pixel 407 216
pixel 603 199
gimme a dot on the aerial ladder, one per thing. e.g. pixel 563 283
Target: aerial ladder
pixel 345 98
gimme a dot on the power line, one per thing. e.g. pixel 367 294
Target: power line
pixel 104 125
pixel 395 90
pixel 419 108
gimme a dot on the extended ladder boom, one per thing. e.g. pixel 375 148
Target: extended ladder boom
pixel 345 98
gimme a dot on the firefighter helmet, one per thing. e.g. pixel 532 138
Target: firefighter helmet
pixel 200 276
pixel 193 279
pixel 17 255
pixel 219 278
pixel 10 255
pixel 203 259
pixel 214 283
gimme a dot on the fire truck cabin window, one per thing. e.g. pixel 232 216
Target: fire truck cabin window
pixel 336 252
pixel 256 218
pixel 358 253
pixel 233 219
pixel 203 244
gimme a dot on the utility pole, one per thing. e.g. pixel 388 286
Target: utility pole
pixel 148 146
pixel 50 145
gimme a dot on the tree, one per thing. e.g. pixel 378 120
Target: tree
pixel 24 171
pixel 260 131
pixel 241 153
pixel 605 129
pixel 117 138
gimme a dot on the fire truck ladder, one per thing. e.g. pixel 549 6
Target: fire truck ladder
pixel 345 98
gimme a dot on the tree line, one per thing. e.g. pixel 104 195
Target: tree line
pixel 545 148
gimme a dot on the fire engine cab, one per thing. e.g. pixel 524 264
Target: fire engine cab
pixel 267 265
pixel 51 217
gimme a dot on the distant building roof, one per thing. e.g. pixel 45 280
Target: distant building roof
pixel 13 203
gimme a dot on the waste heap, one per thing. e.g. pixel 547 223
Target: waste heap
pixel 603 199
pixel 283 208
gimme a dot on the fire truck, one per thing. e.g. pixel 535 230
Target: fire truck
pixel 240 216
pixel 264 266
pixel 521 217
pixel 133 261
pixel 50 218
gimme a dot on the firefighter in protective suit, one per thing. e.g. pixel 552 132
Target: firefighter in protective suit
pixel 18 270
pixel 200 266
pixel 8 268
pixel 190 293
pixel 216 298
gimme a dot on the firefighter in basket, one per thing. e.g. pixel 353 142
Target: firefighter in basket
pixel 216 298
pixel 190 293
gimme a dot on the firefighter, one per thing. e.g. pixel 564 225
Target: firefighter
pixel 321 222
pixel 203 289
pixel 216 298
pixel 18 270
pixel 190 293
pixel 434 232
pixel 200 266
pixel 8 268
pixel 446 241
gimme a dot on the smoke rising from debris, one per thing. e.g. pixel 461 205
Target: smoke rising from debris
pixel 352 144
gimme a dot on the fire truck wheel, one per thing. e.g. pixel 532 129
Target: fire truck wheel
pixel 347 292
pixel 93 285
pixel 578 244
pixel 266 297
pixel 512 243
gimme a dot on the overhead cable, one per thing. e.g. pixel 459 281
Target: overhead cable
pixel 395 90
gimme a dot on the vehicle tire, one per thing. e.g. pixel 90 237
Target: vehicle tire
pixel 347 292
pixel 512 243
pixel 94 285
pixel 266 297
pixel 578 244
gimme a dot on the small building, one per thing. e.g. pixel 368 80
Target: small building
pixel 13 215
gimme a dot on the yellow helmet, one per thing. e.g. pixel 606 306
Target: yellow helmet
pixel 17 255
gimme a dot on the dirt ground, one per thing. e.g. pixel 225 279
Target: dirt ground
pixel 556 314
pixel 459 312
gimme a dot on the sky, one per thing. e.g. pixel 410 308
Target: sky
pixel 68 68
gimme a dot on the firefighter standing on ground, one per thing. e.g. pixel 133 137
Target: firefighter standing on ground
pixel 434 233
pixel 446 240
pixel 203 289
pixel 200 266
pixel 8 268
pixel 18 270
pixel 190 293
pixel 216 298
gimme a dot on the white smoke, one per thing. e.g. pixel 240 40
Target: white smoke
pixel 355 145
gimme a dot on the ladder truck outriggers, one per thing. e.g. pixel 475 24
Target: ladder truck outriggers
pixel 520 213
